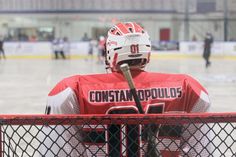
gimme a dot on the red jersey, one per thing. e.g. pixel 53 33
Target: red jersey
pixel 103 93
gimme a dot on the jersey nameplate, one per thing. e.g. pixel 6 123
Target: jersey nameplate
pixel 124 95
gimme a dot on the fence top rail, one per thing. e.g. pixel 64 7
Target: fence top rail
pixel 169 118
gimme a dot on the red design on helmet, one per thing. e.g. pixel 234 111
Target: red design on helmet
pixel 133 46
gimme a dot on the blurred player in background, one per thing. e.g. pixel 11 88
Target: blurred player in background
pixel 58 48
pixel 66 47
pixel 207 48
pixel 55 47
pixel 2 49
pixel 101 49
pixel 109 93
pixel 92 47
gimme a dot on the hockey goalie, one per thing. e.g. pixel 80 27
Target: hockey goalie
pixel 109 94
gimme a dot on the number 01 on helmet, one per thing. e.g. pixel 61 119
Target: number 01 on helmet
pixel 127 43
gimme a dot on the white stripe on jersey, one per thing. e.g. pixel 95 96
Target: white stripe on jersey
pixel 64 102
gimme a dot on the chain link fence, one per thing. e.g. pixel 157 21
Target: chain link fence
pixel 166 135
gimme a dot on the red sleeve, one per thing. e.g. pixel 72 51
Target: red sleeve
pixel 197 99
pixel 65 83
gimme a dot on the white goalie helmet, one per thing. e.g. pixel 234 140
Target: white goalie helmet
pixel 127 43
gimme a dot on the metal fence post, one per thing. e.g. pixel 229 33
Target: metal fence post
pixel 1 152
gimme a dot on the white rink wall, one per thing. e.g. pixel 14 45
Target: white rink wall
pixel 42 48
pixel 81 48
pixel 218 48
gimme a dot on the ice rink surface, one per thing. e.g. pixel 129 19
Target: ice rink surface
pixel 25 83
